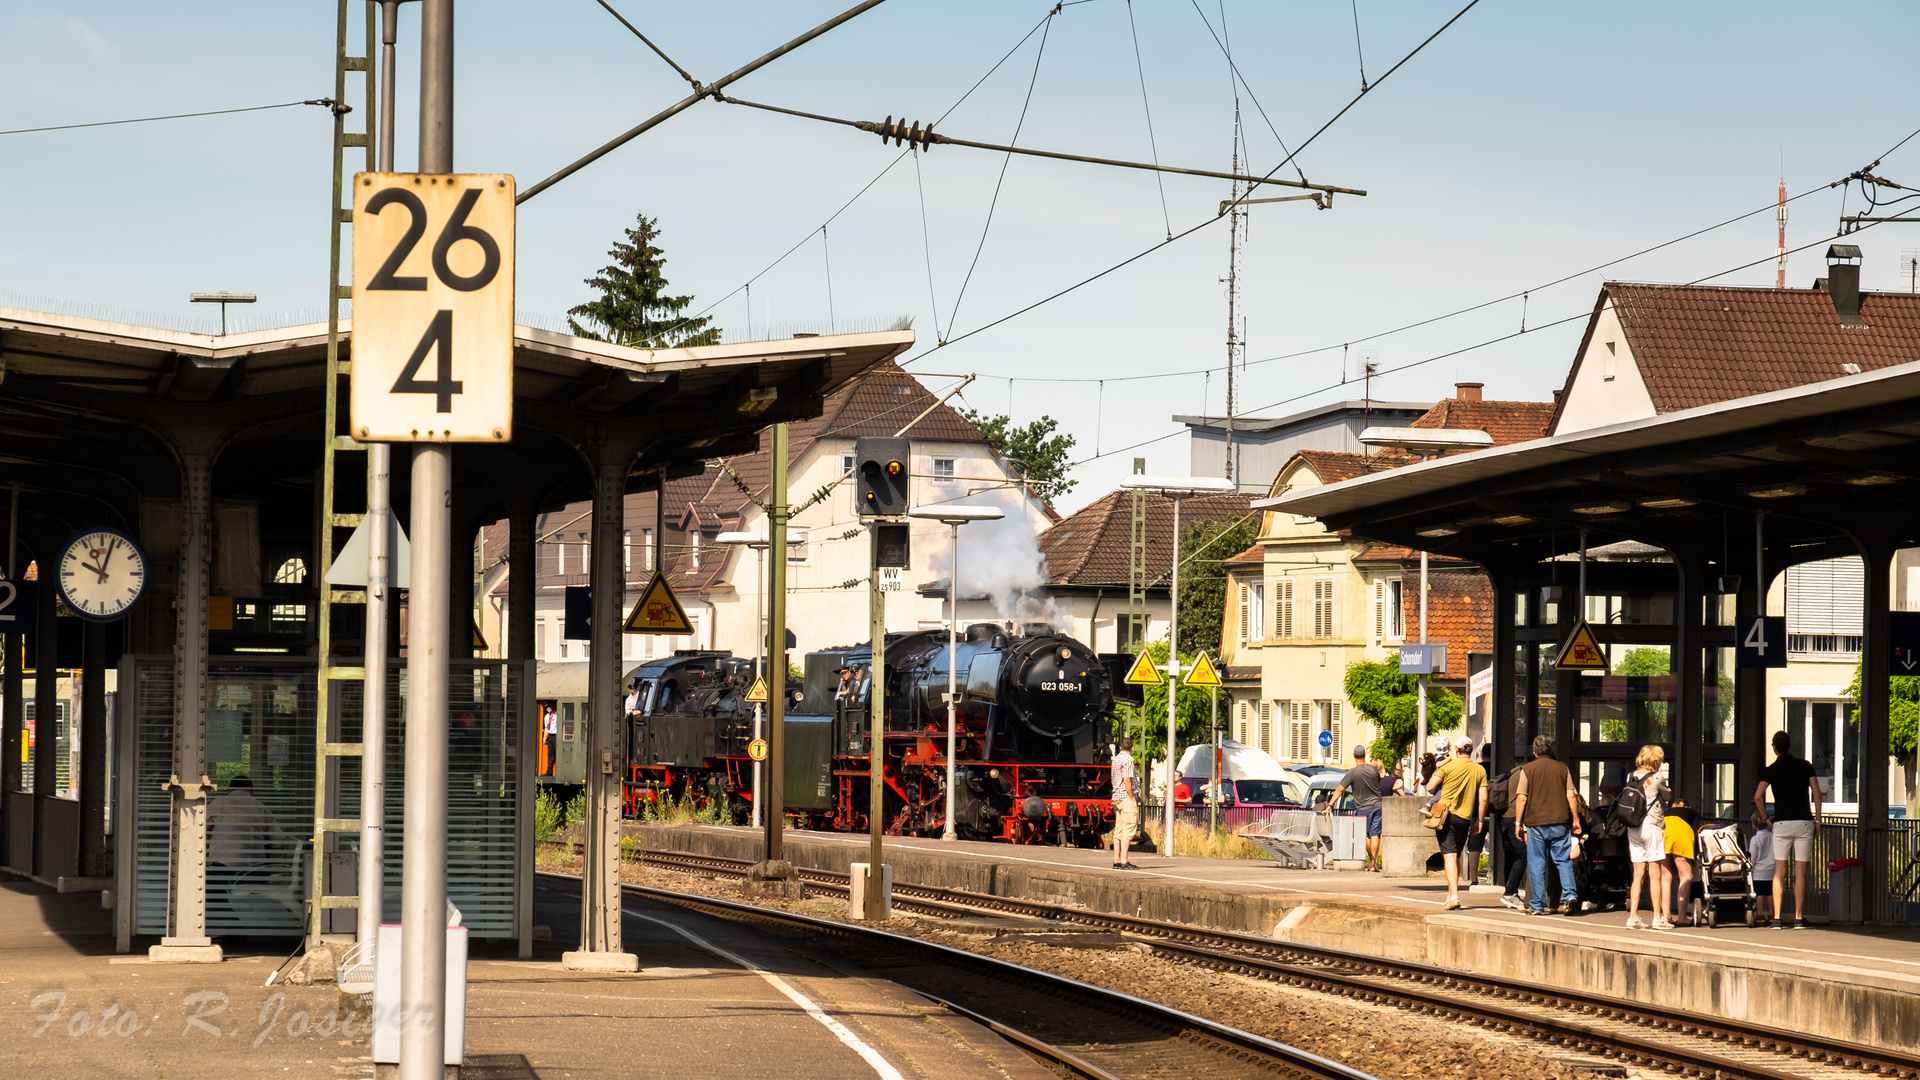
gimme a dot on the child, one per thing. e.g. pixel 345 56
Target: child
pixel 1760 855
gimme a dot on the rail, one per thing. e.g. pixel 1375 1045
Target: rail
pixel 1185 1034
pixel 1632 1033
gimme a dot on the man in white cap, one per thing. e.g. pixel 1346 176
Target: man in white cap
pixel 1462 786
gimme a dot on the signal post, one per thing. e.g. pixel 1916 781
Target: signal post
pixel 882 475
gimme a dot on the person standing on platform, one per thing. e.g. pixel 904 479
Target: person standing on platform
pixel 1477 843
pixel 1760 860
pixel 1680 849
pixel 1462 787
pixel 1505 820
pixel 1795 821
pixel 1364 781
pixel 1389 782
pixel 1647 841
pixel 1547 817
pixel 1126 803
pixel 550 725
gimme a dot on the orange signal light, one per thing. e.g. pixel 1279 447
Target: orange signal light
pixel 894 468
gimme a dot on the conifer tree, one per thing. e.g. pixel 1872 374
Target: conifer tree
pixel 633 308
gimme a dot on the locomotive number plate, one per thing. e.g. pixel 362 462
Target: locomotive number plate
pixel 1063 687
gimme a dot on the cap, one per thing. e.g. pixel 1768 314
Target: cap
pixel 1359 750
pixel 1463 743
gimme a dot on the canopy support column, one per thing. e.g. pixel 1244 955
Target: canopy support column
pixel 1876 671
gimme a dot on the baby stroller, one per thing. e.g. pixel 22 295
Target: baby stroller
pixel 1723 877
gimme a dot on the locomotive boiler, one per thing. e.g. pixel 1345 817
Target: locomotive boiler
pixel 1034 719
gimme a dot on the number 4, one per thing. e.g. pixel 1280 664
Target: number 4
pixel 1757 637
pixel 439 337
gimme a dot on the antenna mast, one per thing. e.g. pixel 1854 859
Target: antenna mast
pixel 1780 216
pixel 1235 348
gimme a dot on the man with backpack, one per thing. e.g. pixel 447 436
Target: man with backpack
pixel 1500 814
pixel 1547 817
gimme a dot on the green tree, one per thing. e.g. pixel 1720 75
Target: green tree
pixel 633 308
pixel 1040 454
pixel 1391 701
pixel 1193 720
pixel 1903 711
pixel 1204 548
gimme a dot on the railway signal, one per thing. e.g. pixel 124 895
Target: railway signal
pixel 880 475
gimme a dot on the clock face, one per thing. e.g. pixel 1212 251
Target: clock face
pixel 102 574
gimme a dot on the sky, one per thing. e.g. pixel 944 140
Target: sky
pixel 1527 143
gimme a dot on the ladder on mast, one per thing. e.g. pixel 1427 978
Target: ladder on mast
pixel 337 442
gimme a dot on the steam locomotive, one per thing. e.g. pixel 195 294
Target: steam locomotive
pixel 1034 717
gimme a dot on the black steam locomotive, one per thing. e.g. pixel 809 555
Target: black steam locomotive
pixel 1034 724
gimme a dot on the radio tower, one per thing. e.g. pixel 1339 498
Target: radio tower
pixel 1235 348
pixel 1780 216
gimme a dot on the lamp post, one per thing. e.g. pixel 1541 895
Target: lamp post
pixel 953 517
pixel 1175 488
pixel 759 544
pixel 223 299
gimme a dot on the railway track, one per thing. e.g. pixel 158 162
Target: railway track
pixel 1626 1033
pixel 1081 1029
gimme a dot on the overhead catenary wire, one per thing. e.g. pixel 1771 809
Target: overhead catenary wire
pixel 1176 238
pixel 1224 43
pixel 324 102
pixel 926 242
pixel 1152 144
pixel 1039 55
pixel 695 83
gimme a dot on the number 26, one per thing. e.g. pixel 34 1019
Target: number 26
pixel 455 230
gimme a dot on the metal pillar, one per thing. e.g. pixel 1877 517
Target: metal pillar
pixel 522 581
pixel 600 944
pixel 1876 672
pixel 1503 720
pixel 877 733
pixel 953 648
pixel 423 882
pixel 373 713
pixel 13 705
pixel 1173 676
pixel 774 787
pixel 187 899
pixel 46 713
pixel 1420 716
pixel 1684 730
pixel 92 780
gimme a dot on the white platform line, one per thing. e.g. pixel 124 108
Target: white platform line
pixel 867 1053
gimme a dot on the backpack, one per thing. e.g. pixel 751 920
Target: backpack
pixel 1630 809
pixel 1498 793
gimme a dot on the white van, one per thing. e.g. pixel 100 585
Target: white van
pixel 1253 778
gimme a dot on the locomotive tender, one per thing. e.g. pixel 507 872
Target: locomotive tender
pixel 1035 725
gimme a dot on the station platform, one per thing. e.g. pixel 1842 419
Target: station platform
pixel 75 1009
pixel 1860 984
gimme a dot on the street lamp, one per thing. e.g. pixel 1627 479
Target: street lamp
pixel 953 517
pixel 223 299
pixel 1175 488
pixel 759 543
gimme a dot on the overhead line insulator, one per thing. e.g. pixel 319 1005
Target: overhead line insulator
pixel 901 132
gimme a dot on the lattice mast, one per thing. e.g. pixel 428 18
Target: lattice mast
pixel 1236 348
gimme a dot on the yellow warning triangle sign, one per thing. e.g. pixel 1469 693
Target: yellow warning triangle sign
pixel 1203 673
pixel 758 691
pixel 658 611
pixel 1143 672
pixel 1582 652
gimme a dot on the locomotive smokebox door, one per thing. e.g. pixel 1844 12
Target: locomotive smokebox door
pixel 891 546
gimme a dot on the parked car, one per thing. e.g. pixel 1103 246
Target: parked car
pixel 1320 789
pixel 1311 771
pixel 1252 779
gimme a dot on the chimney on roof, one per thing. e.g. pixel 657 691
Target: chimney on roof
pixel 1843 283
pixel 1467 391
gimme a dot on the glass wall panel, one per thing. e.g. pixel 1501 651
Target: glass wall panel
pixel 1718 799
pixel 1716 695
pixel 1634 703
pixel 1717 609
pixel 1599 781
pixel 1630 609
pixel 1548 716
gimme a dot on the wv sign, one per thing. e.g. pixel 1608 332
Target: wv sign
pixel 1760 641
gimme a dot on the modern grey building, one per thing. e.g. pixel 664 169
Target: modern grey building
pixel 1262 444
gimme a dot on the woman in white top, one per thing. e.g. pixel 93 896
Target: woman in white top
pixel 1647 843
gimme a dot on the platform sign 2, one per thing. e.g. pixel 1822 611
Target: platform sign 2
pixel 433 266
pixel 1760 641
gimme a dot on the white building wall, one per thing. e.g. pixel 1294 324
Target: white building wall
pixel 1606 386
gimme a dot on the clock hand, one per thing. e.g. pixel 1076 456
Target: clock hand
pixel 111 544
pixel 95 569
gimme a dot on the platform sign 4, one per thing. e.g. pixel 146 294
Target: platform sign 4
pixel 433 264
pixel 1759 641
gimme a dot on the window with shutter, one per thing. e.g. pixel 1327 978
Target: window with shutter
pixel 1283 608
pixel 1246 624
pixel 1379 609
pixel 1396 610
pixel 1241 736
pixel 1266 727
pixel 1257 610
pixel 1323 625
pixel 1303 731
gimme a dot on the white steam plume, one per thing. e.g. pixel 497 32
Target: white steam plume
pixel 1001 559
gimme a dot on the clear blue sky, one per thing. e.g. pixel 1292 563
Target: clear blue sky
pixel 1530 141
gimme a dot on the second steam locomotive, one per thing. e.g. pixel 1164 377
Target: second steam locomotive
pixel 1035 723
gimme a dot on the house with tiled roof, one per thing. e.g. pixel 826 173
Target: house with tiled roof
pixel 1088 561
pixel 1304 603
pixel 720 585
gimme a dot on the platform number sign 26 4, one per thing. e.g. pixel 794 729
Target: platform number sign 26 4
pixel 1760 641
pixel 432 344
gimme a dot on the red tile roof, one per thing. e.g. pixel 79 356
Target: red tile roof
pixel 1506 421
pixel 1460 613
pixel 1393 553
pixel 1253 556
pixel 1700 344
pixel 1090 547
pixel 1333 466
